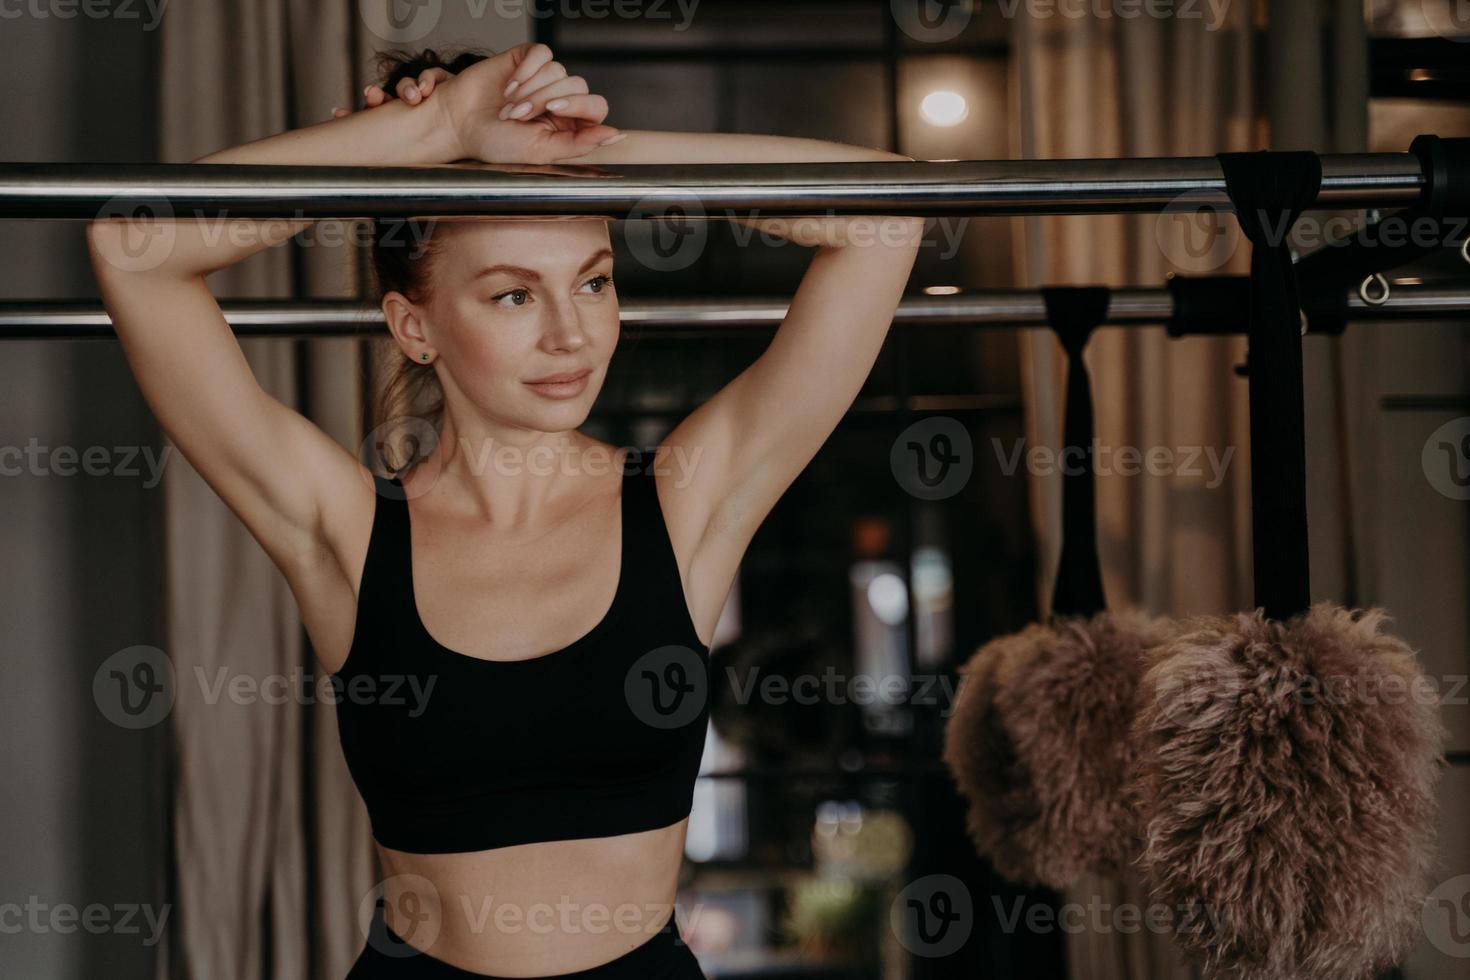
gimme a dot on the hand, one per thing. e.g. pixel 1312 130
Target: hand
pixel 551 116
pixel 410 90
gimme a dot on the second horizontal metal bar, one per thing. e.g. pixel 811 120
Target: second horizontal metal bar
pixel 992 308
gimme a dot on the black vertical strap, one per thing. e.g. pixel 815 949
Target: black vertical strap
pixel 1270 191
pixel 1074 312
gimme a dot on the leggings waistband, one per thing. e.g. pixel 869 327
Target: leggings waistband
pixel 388 955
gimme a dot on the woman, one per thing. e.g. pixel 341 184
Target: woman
pixel 529 809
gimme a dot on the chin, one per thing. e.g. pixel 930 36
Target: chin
pixel 560 417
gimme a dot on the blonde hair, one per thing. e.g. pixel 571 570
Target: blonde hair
pixel 408 401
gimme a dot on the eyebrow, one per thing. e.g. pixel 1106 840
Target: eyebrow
pixel 532 274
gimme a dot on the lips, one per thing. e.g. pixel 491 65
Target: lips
pixel 565 377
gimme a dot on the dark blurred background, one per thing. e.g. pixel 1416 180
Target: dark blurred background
pixel 811 820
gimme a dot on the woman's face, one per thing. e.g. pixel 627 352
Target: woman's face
pixel 523 318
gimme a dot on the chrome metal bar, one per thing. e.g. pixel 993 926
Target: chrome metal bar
pixel 31 320
pixel 88 190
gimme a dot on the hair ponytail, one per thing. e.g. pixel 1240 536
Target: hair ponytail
pixel 408 401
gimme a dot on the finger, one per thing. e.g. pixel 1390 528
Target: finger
pixel 374 96
pixel 533 88
pixel 555 98
pixel 532 60
pixel 577 142
pixel 430 77
pixel 339 113
pixel 588 108
pixel 556 88
pixel 408 90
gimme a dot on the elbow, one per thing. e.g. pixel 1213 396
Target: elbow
pixel 107 245
pixel 121 246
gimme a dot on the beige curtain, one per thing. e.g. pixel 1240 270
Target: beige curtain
pixel 272 849
pixel 1177 543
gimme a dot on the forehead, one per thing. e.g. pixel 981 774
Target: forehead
pixel 553 247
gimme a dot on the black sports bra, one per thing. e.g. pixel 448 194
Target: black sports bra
pixel 453 753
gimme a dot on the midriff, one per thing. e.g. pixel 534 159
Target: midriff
pixel 535 909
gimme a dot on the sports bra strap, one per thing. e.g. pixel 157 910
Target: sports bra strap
pixel 385 570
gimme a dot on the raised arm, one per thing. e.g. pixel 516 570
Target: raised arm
pixel 270 465
pixel 736 454
pixel 743 448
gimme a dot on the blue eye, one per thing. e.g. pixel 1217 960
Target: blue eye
pixel 523 293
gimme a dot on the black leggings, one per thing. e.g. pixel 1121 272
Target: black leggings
pixel 662 956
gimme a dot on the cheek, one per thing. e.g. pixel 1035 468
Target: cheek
pixel 606 331
pixel 489 347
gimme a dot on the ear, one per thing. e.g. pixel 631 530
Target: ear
pixel 405 322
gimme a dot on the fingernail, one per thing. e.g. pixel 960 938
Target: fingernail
pixel 556 104
pixel 511 87
pixel 613 139
pixel 520 110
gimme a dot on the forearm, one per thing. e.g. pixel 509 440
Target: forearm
pixel 652 146
pixel 658 146
pixel 397 134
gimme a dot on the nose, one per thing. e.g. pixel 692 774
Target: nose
pixel 564 329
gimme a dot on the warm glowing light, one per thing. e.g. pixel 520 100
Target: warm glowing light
pixel 888 595
pixel 944 108
pixel 941 290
